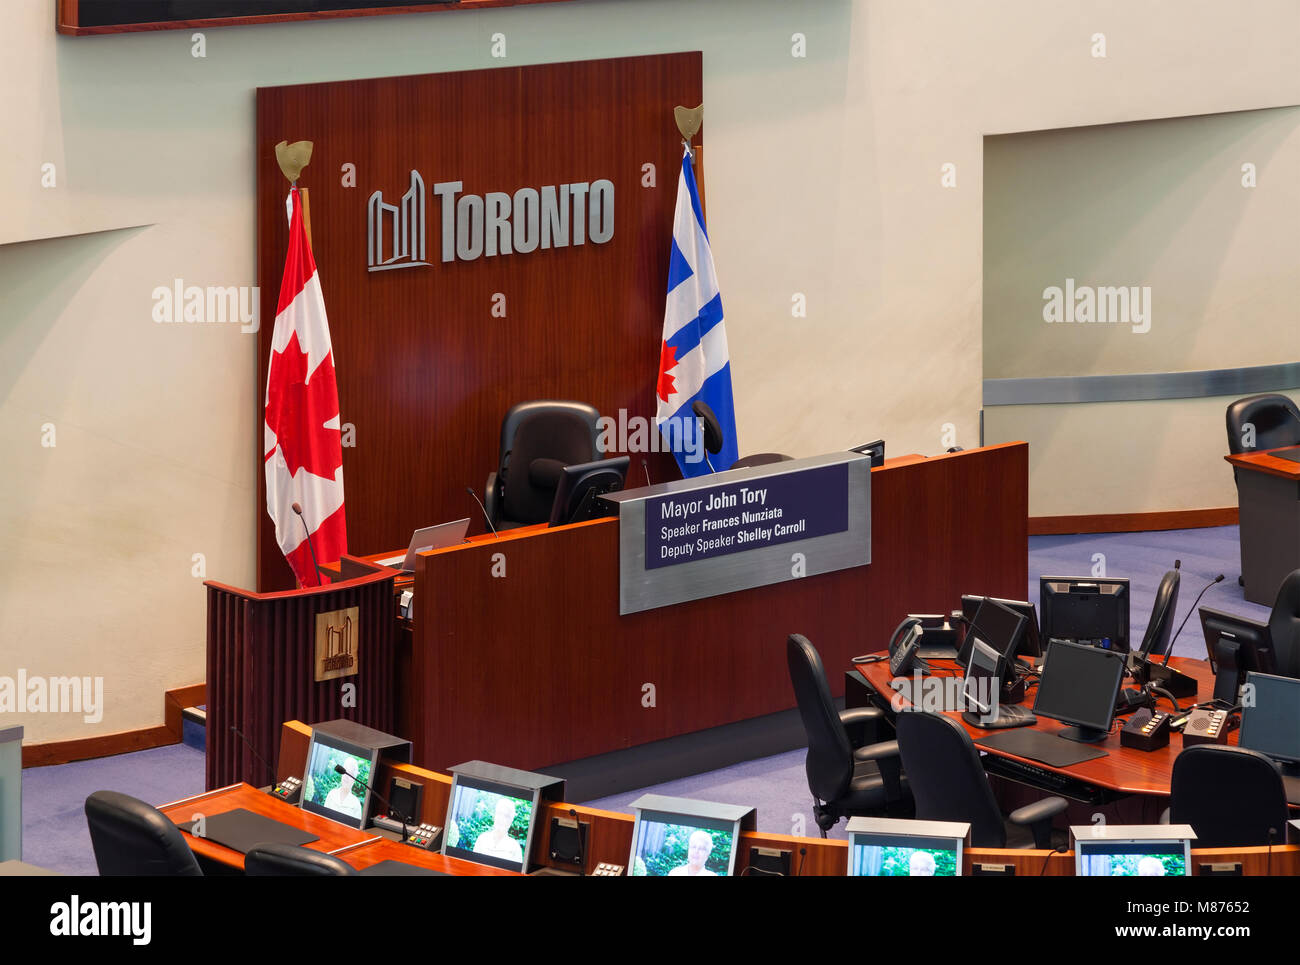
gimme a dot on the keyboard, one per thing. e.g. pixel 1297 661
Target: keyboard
pixel 1040 777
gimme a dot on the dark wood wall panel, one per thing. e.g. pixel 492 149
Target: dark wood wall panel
pixel 538 668
pixel 425 372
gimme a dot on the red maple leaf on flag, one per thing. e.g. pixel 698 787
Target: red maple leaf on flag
pixel 297 410
pixel 667 360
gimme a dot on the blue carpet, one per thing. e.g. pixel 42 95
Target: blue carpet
pixel 54 822
pixel 54 825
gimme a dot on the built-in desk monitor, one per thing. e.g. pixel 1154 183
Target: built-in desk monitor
pixel 337 782
pixel 896 848
pixel 1132 851
pixel 678 837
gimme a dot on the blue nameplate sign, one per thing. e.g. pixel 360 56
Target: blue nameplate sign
pixel 735 517
pixel 740 529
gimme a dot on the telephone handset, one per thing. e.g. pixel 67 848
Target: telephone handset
pixel 903 646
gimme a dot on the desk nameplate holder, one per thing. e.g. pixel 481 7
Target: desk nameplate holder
pixel 829 496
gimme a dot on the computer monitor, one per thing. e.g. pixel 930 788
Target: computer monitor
pixel 1001 628
pixel 1270 718
pixel 579 488
pixel 1085 609
pixel 1235 640
pixel 1079 685
pixel 336 795
pixel 675 837
pixel 897 848
pixel 1138 851
pixel 1031 644
pixel 490 822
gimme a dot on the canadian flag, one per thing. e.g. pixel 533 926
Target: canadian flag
pixel 303 452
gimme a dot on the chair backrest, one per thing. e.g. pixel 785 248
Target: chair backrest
pixel 1275 417
pixel 946 777
pixel 713 440
pixel 130 837
pixel 1230 796
pixel 291 860
pixel 546 432
pixel 830 755
pixel 1156 640
pixel 1284 626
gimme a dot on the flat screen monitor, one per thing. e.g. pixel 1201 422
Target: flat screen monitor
pixel 1079 685
pixel 1250 640
pixel 1085 609
pixel 490 823
pixel 334 794
pixel 1270 718
pixel 667 844
pixel 896 848
pixel 1133 852
pixel 578 492
pixel 1030 643
pixel 1001 628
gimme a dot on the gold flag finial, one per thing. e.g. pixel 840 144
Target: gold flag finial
pixel 689 120
pixel 292 158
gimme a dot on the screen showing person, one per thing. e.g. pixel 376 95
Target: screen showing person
pixel 337 782
pixel 666 846
pixel 919 859
pixel 1141 859
pixel 490 824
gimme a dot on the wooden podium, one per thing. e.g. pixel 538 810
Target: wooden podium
pixel 1268 497
pixel 268 653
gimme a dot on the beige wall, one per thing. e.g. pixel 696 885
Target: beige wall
pixel 823 179
pixel 1161 205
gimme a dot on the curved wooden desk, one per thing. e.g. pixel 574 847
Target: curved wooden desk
pixel 1123 771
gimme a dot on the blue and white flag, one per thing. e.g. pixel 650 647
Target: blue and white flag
pixel 693 362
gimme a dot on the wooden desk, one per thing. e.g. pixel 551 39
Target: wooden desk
pixel 331 836
pixel 362 856
pixel 1268 499
pixel 520 657
pixel 1124 771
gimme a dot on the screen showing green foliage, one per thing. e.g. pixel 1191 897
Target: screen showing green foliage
pixel 1135 864
pixel 896 862
pixel 332 791
pixel 489 824
pixel 675 850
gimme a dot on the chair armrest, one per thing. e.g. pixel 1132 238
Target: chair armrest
pixel 1164 816
pixel 876 752
pixel 860 715
pixel 492 496
pixel 1038 816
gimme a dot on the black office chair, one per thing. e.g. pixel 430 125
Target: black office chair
pixel 845 780
pixel 538 439
pixel 1284 626
pixel 949 784
pixel 130 837
pixel 1231 796
pixel 1275 417
pixel 291 860
pixel 713 441
pixel 1156 640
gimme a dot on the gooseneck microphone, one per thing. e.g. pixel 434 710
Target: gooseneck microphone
pixel 253 750
pixel 646 467
pixel 340 769
pixel 470 490
pixel 1169 652
pixel 297 508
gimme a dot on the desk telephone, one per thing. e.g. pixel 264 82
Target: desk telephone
pixel 903 646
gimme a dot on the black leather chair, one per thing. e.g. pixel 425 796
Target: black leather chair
pixel 845 780
pixel 1156 640
pixel 713 440
pixel 1284 626
pixel 1275 417
pixel 291 860
pixel 948 783
pixel 1231 796
pixel 538 439
pixel 130 837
